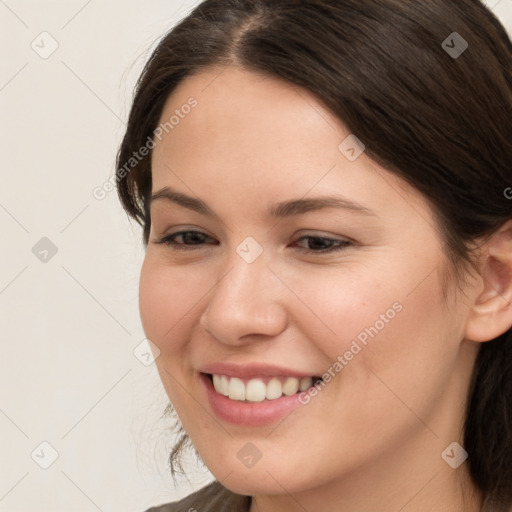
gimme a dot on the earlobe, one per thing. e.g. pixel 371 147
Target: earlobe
pixel 491 311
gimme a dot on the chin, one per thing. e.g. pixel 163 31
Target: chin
pixel 251 483
pixel 266 477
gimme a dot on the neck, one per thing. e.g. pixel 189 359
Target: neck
pixel 411 478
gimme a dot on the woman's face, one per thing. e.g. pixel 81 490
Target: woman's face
pixel 272 285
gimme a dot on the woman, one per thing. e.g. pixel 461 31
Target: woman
pixel 324 191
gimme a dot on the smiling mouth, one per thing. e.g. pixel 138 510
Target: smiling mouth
pixel 260 389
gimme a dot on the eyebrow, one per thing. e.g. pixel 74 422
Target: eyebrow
pixel 277 210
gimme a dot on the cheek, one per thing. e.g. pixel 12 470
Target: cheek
pixel 338 307
pixel 167 297
pixel 400 344
pixel 388 321
pixel 154 302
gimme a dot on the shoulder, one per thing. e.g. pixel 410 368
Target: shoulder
pixel 214 497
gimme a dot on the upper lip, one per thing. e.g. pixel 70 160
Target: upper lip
pixel 251 370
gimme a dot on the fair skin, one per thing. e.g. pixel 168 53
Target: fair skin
pixel 372 439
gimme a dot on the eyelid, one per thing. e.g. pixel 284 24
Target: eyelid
pixel 302 233
pixel 339 243
pixel 316 233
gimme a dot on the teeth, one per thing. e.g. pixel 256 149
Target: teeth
pixel 224 382
pixel 236 389
pixel 305 383
pixel 274 389
pixel 256 390
pixel 221 384
pixel 291 386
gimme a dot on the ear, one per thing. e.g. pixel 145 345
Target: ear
pixel 491 312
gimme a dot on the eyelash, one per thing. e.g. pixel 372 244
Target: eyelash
pixel 169 240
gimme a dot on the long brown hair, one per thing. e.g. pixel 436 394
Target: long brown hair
pixel 427 85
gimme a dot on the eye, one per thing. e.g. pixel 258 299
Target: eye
pixel 319 244
pixel 191 240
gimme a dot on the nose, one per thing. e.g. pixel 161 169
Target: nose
pixel 246 304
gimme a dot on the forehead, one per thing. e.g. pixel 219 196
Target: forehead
pixel 239 111
pixel 249 132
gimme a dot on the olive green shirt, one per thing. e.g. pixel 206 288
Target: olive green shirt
pixel 216 498
pixel 212 498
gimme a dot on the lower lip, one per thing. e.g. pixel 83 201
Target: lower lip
pixel 248 413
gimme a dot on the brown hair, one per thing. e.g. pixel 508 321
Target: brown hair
pixel 388 70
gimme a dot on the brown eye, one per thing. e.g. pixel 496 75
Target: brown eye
pixel 190 240
pixel 323 245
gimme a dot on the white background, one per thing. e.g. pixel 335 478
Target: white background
pixel 69 326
